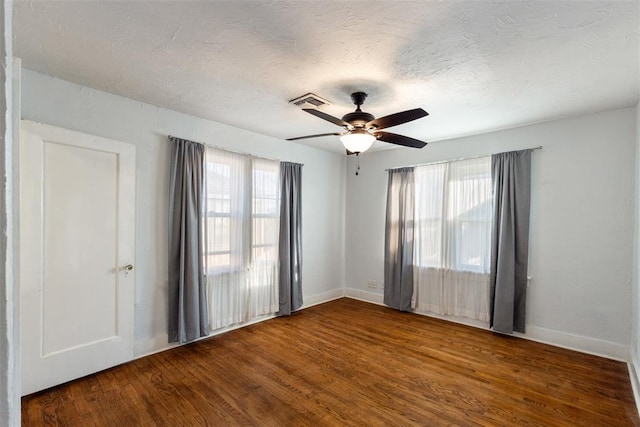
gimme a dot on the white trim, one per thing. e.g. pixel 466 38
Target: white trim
pixel 322 298
pixel 459 320
pixel 363 296
pixel 583 344
pixel 160 342
pixel 9 292
pixel 149 346
pixel 607 349
pixel 374 298
pixel 633 376
pixel 17 102
pixel 588 345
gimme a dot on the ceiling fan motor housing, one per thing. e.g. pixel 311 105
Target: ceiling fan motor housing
pixel 358 118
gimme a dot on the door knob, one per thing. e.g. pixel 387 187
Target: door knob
pixel 127 268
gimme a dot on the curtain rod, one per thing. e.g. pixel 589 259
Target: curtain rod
pixel 231 151
pixel 458 160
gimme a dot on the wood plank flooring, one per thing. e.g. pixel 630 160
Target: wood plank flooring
pixel 348 362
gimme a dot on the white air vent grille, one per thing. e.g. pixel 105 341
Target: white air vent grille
pixel 308 100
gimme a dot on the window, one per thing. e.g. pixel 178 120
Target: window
pixel 243 203
pixel 241 236
pixel 265 212
pixel 218 216
pixel 453 218
pixel 453 215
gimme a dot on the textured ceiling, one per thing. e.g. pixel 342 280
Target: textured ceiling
pixel 475 66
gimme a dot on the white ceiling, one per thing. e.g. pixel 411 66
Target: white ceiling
pixel 475 66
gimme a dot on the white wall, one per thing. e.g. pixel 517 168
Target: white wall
pixel 68 105
pixel 582 208
pixel 581 223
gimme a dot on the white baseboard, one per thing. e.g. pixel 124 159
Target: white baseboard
pixel 633 375
pixel 160 342
pixel 378 299
pixel 363 296
pixel 149 346
pixel 580 343
pixel 596 347
pixel 322 298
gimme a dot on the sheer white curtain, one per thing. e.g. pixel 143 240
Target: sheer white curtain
pixel 453 238
pixel 241 236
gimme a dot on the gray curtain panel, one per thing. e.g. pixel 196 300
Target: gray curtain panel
pixel 290 250
pixel 511 177
pixel 188 317
pixel 399 239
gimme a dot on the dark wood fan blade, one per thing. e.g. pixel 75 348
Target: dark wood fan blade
pixel 314 136
pixel 397 118
pixel 327 117
pixel 394 138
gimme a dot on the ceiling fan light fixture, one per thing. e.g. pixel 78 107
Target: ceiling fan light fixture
pixel 360 128
pixel 357 141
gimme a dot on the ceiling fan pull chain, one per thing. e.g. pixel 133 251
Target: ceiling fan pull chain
pixel 357 163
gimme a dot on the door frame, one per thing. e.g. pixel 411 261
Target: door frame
pixel 125 233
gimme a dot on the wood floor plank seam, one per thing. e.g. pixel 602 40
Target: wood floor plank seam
pixel 348 363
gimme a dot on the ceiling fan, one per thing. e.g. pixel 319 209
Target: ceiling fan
pixel 362 128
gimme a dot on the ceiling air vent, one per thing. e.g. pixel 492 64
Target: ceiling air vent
pixel 310 100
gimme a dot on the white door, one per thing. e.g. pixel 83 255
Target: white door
pixel 77 218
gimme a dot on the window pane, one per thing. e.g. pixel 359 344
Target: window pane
pixel 218 180
pixel 242 216
pixel 217 218
pixel 454 214
pixel 469 214
pixel 264 206
pixel 218 237
pixel 265 210
pixel 265 231
pixel 265 254
pixel 429 214
pixel 219 261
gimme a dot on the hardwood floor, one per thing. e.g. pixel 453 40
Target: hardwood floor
pixel 348 362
